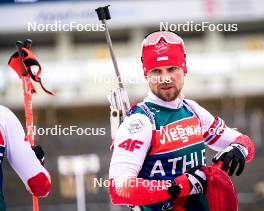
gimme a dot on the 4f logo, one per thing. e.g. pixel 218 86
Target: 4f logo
pixel 130 144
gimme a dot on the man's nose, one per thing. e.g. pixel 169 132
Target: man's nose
pixel 164 77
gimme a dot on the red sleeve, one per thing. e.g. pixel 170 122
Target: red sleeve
pixel 39 185
pixel 139 192
pixel 246 142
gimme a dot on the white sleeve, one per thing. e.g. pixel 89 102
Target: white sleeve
pixel 19 153
pixel 131 145
pixel 216 134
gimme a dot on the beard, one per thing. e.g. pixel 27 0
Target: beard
pixel 167 92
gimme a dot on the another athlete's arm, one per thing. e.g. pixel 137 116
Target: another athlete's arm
pixel 21 157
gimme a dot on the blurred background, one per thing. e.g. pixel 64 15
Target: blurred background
pixel 226 72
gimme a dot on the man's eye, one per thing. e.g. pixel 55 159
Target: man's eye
pixel 173 69
pixel 156 71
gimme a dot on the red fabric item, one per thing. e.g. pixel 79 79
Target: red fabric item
pixel 39 185
pixel 221 193
pixel 163 54
pixel 246 142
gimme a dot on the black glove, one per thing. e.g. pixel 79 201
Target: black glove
pixel 39 153
pixel 196 179
pixel 233 156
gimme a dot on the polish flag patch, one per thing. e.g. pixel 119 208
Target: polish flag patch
pixel 162 58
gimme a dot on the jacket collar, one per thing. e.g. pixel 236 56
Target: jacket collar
pixel 174 104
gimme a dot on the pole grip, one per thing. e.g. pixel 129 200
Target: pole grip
pixel 103 13
pixel 19 46
pixel 28 43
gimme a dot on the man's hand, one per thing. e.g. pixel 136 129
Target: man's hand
pixel 197 180
pixel 39 153
pixel 233 156
pixel 191 182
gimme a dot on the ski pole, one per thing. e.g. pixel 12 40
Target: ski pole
pixel 28 89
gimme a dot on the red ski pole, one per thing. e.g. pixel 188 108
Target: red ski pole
pixel 28 89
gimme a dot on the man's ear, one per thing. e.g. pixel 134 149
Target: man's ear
pixel 146 77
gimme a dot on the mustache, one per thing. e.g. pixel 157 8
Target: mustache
pixel 166 85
